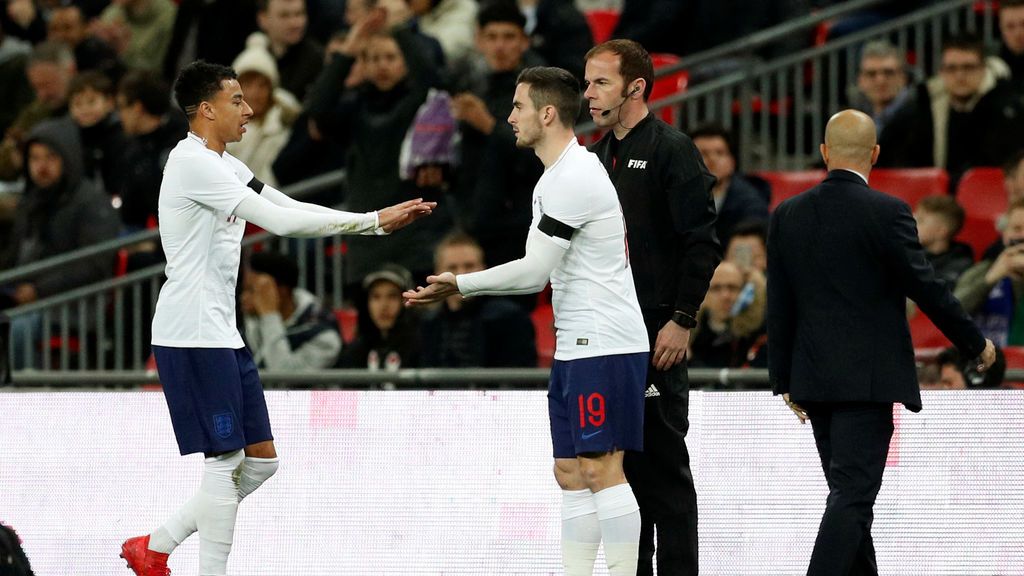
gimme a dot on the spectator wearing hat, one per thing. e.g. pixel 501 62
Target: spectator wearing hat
pixel 287 327
pixel 387 333
pixel 274 109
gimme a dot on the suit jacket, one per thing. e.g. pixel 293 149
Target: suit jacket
pixel 842 259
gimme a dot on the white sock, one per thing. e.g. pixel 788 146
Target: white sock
pixel 581 532
pixel 619 515
pixel 216 518
pixel 253 472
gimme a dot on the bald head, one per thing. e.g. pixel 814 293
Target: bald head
pixel 850 135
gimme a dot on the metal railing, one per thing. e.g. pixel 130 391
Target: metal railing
pixel 105 325
pixel 778 109
pixel 409 378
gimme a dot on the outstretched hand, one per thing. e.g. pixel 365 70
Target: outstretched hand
pixel 438 288
pixel 401 215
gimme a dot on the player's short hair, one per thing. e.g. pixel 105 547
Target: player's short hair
pixel 551 86
pixel 947 208
pixel 501 11
pixel 281 268
pixel 457 238
pixel 91 80
pixel 634 61
pixel 965 43
pixel 1011 4
pixel 149 89
pixel 199 82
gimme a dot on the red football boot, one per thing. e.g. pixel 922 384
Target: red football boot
pixel 142 560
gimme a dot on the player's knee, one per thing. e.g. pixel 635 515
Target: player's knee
pixel 567 474
pixel 599 473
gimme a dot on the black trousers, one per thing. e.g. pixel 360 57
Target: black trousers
pixel 853 443
pixel 661 479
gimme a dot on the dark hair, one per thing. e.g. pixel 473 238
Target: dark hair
pixel 1011 4
pixel 966 43
pixel 91 80
pixel 501 11
pixel 149 89
pixel 634 62
pixel 947 208
pixel 750 227
pixel 281 268
pixel 992 378
pixel 715 130
pixel 1013 164
pixel 550 86
pixel 199 82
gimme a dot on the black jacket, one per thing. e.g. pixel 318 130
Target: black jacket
pixel 562 36
pixel 742 203
pixel 142 163
pixel 486 332
pixel 70 214
pixel 665 192
pixel 842 259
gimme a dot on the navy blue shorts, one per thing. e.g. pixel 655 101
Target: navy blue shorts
pixel 597 404
pixel 215 398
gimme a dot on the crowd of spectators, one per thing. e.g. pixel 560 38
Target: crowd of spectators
pixel 354 84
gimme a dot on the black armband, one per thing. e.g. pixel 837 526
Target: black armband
pixel 256 185
pixel 554 228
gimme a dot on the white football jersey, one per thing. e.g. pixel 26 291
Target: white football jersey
pixel 202 241
pixel 593 296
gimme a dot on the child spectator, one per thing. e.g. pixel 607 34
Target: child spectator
pixel 939 220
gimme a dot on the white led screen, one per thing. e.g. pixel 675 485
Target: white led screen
pixel 459 483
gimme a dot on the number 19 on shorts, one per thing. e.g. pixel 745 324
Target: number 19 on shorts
pixel 591 409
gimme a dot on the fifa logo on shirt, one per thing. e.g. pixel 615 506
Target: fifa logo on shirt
pixel 641 164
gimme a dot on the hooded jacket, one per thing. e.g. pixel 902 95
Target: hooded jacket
pixel 70 214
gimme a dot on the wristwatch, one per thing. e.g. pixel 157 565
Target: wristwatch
pixel 684 319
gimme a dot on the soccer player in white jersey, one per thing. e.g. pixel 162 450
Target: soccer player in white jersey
pixel 596 392
pixel 210 382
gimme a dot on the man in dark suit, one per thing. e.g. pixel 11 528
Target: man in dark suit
pixel 842 259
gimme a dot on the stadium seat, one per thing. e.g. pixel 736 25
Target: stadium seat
pixel 602 24
pixel 670 85
pixel 543 317
pixel 924 334
pixel 982 194
pixel 348 320
pixel 910 184
pixel 785 185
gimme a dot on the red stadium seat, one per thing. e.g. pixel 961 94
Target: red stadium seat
pixel 669 85
pixel 543 317
pixel 924 334
pixel 910 184
pixel 982 194
pixel 602 24
pixel 785 185
pixel 348 320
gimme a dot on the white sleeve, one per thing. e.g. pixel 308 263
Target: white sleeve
pixel 213 184
pixel 527 275
pixel 301 223
pixel 282 199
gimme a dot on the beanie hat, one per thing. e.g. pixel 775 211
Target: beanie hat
pixel 257 58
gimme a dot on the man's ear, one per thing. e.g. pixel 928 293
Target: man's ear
pixel 206 109
pixel 824 153
pixel 875 153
